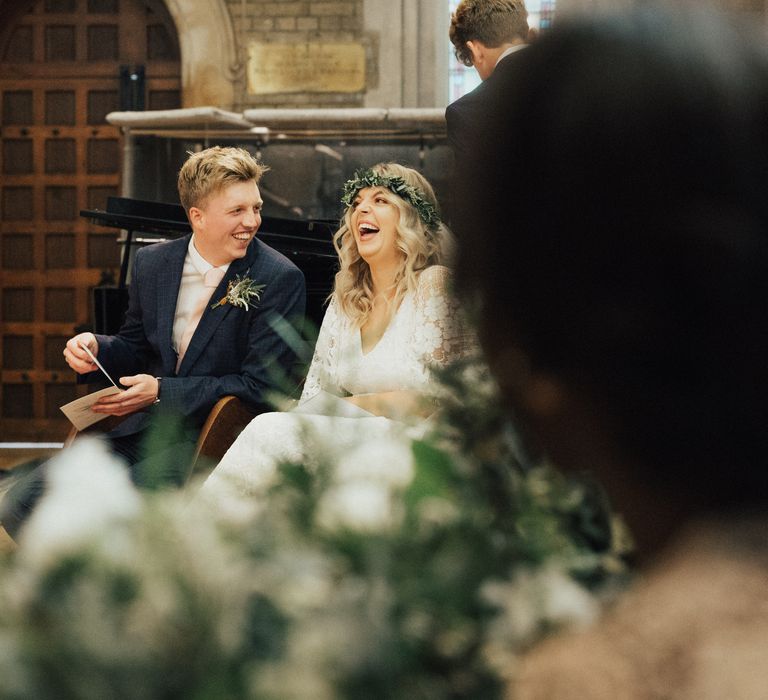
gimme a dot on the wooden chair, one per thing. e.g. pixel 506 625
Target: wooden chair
pixel 226 420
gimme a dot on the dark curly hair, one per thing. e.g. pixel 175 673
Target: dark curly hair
pixel 492 22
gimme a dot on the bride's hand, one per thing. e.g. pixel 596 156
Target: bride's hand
pixel 393 404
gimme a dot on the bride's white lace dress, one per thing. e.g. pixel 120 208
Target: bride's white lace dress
pixel 425 332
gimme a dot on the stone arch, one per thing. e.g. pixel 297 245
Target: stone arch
pixel 209 60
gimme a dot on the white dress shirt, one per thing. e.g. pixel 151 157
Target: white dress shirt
pixel 191 287
pixel 510 50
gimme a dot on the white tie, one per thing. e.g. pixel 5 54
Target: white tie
pixel 211 280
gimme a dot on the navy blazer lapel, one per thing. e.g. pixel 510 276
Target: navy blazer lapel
pixel 168 283
pixel 211 318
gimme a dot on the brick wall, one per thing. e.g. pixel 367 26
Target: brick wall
pixel 297 21
pixel 755 7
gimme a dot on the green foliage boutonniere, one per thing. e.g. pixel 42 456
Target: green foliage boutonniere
pixel 241 292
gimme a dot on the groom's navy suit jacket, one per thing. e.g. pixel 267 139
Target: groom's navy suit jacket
pixel 233 351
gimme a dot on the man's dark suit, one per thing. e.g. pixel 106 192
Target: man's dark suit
pixel 464 116
pixel 466 122
pixel 233 351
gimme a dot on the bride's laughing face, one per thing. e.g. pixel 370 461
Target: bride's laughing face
pixel 374 223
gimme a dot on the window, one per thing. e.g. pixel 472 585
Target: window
pixel 462 79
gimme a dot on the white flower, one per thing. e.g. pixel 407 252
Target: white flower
pixel 438 511
pixel 361 506
pixel 87 490
pixel 12 670
pixel 535 597
pixel 300 579
pixel 566 602
pixel 388 460
pixel 367 482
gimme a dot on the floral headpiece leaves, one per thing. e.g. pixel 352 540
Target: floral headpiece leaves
pixel 368 178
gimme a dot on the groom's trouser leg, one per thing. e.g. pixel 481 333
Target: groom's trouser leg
pixel 25 493
pixel 21 498
pixel 166 465
pixel 169 464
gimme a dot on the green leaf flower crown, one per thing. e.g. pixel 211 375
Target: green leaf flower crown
pixel 412 195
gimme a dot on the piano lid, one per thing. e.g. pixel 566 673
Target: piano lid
pixel 140 215
pixel 171 220
pixel 307 243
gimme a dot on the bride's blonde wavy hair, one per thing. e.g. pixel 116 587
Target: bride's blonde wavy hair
pixel 420 245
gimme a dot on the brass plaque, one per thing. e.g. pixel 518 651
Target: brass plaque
pixel 310 67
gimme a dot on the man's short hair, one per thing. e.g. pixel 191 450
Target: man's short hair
pixel 208 171
pixel 491 22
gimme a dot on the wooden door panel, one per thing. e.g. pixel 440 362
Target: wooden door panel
pixel 59 77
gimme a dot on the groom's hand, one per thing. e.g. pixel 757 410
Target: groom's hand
pixel 76 357
pixel 141 392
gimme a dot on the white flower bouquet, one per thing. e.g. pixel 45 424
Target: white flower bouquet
pixel 401 569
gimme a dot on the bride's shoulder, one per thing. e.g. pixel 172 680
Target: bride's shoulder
pixel 435 279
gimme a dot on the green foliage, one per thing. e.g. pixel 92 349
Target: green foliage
pixel 408 568
pixel 242 292
pixel 368 178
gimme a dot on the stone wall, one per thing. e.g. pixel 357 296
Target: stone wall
pixel 402 47
pixel 299 22
pixel 756 8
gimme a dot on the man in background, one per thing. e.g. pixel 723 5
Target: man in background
pixel 486 34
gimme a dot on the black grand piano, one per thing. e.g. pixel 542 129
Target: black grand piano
pixel 306 243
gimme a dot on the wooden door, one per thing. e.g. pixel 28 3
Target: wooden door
pixel 60 67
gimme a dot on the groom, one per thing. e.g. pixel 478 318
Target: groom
pixel 199 324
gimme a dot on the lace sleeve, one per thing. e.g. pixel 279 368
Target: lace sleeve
pixel 322 372
pixel 441 334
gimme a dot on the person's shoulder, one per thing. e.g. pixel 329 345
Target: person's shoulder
pixel 702 598
pixel 478 94
pixel 158 253
pixel 506 70
pixel 466 101
pixel 435 278
pixel 508 62
pixel 165 247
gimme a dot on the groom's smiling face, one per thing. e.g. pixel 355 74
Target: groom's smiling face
pixel 226 222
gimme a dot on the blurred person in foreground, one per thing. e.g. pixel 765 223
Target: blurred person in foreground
pixel 621 281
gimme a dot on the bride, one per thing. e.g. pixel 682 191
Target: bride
pixel 389 321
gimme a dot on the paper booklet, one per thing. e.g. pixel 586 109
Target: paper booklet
pixel 79 411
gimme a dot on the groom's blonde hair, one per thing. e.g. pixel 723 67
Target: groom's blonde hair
pixel 419 246
pixel 207 172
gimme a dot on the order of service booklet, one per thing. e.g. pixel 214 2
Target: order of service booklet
pixel 79 411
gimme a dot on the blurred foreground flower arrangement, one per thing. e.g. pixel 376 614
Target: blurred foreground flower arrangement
pixel 409 568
